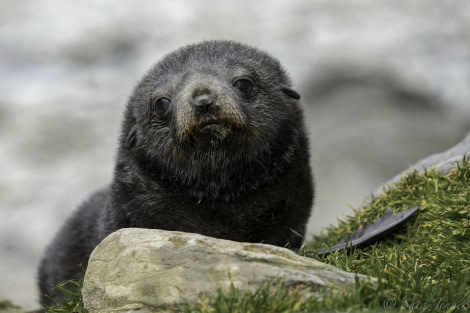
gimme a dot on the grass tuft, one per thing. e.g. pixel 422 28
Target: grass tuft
pixel 71 290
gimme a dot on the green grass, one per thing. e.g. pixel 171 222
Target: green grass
pixel 72 291
pixel 424 266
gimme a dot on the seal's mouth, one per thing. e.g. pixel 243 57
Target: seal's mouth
pixel 218 129
pixel 210 123
pixel 210 128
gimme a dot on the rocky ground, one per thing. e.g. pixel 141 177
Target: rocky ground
pixel 383 84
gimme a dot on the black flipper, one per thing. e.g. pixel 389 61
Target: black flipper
pixel 369 234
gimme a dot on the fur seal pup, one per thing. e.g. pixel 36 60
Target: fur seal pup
pixel 213 142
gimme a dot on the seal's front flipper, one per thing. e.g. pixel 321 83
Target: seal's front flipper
pixel 369 234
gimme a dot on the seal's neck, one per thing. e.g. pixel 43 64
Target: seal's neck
pixel 211 176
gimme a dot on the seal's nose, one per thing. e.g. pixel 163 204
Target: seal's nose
pixel 203 103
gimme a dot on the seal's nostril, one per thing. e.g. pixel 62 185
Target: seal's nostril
pixel 203 103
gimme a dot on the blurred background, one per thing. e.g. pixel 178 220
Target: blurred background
pixel 384 84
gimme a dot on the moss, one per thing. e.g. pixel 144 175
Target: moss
pixel 178 241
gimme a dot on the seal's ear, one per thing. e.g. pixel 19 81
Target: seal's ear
pixel 131 138
pixel 290 92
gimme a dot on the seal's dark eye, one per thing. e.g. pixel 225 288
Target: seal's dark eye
pixel 162 105
pixel 244 85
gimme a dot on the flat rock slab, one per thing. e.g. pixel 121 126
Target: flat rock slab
pixel 154 270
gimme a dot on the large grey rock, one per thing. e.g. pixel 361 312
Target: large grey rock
pixel 154 270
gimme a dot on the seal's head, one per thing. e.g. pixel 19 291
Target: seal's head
pixel 209 106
